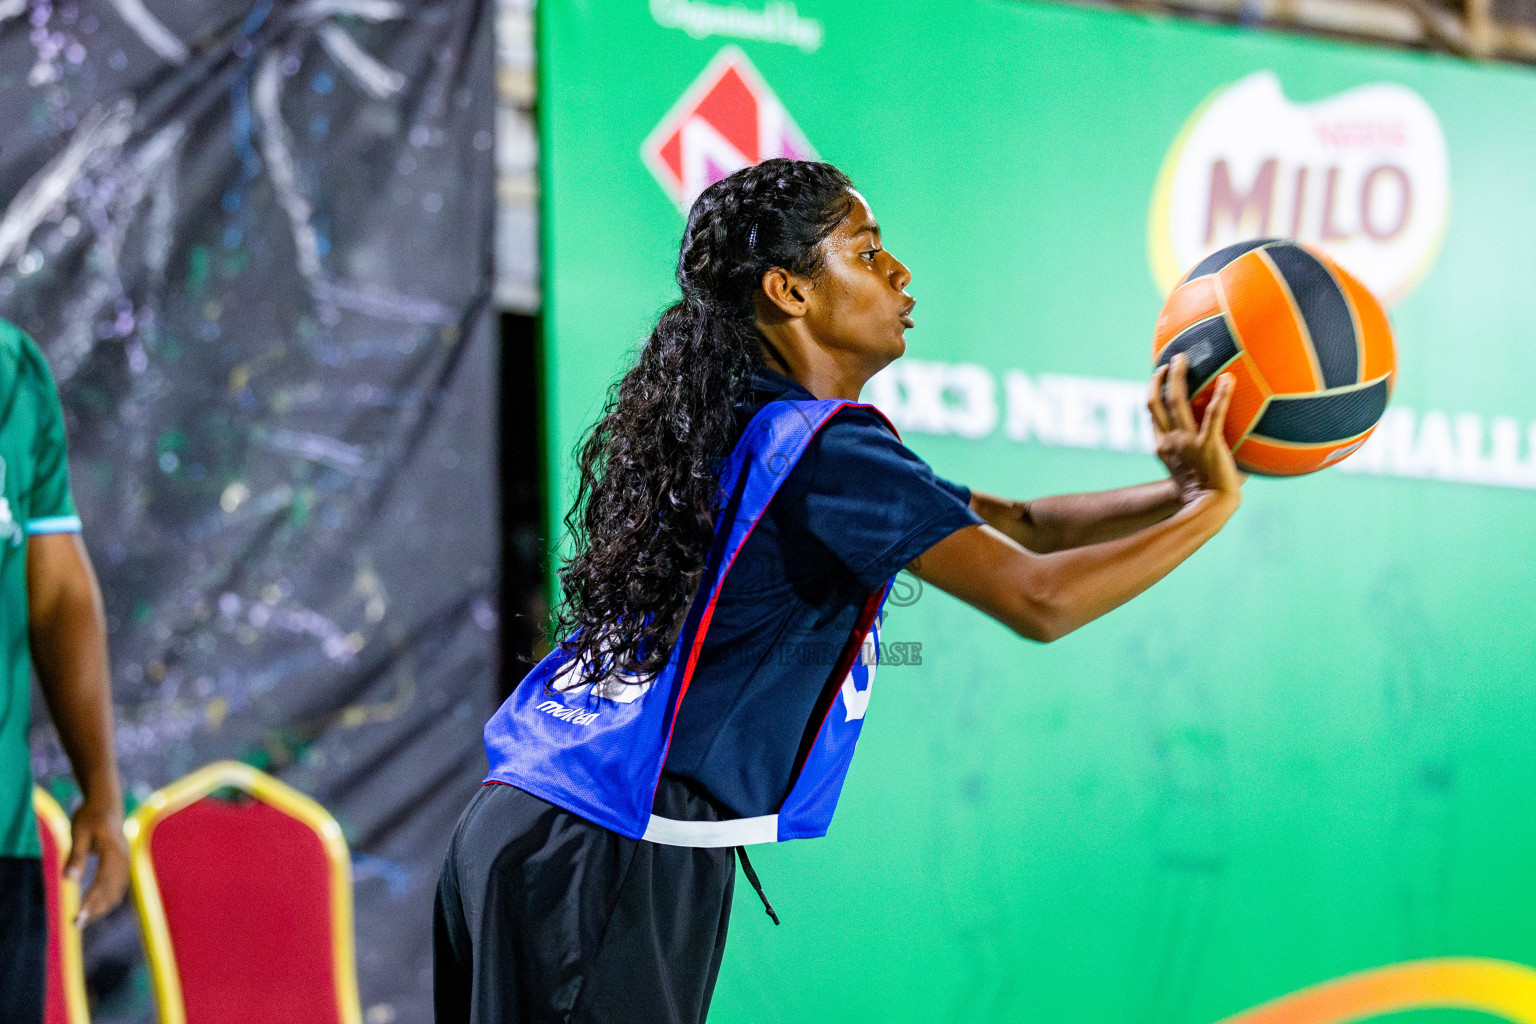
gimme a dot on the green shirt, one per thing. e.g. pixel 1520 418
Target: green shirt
pixel 34 499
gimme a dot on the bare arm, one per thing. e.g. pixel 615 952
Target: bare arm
pixel 1073 520
pixel 1044 596
pixel 69 651
pixel 1069 521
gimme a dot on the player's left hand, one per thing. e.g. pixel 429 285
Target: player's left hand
pixel 1195 453
pixel 98 829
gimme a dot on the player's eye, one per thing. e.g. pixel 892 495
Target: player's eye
pixel 869 254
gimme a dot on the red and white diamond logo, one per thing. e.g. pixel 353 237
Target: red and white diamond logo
pixel 728 119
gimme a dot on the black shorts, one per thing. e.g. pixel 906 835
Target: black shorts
pixel 23 940
pixel 544 917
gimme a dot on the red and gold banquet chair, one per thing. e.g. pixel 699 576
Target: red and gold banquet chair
pixel 246 903
pixel 66 971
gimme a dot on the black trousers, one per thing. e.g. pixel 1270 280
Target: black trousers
pixel 23 940
pixel 545 918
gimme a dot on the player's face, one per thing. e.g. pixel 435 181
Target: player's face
pixel 859 305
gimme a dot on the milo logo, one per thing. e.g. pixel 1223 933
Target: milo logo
pixel 1362 175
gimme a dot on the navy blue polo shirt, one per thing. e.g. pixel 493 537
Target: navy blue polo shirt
pixel 855 510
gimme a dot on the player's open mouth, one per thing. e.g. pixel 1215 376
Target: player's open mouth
pixel 906 315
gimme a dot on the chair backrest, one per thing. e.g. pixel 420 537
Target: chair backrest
pixel 246 903
pixel 66 1002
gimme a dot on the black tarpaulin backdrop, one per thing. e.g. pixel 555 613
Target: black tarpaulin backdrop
pixel 253 240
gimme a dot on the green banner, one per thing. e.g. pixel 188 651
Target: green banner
pixel 1304 756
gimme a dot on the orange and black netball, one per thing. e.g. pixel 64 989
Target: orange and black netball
pixel 1309 347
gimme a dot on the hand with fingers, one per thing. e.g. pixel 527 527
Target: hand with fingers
pixel 97 827
pixel 1195 453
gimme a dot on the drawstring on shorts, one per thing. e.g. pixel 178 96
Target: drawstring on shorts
pixel 746 866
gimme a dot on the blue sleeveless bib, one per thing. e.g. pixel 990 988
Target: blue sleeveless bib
pixel 597 750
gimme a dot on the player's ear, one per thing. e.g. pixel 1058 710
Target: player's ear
pixel 788 293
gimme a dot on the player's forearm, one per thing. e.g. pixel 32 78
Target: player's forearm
pixel 1046 596
pixel 1068 521
pixel 1075 586
pixel 69 651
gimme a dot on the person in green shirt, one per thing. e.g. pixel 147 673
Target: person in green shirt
pixel 51 620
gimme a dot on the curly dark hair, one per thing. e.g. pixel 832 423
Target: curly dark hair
pixel 645 509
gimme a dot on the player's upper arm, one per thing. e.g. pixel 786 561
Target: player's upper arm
pixel 58 574
pixel 996 575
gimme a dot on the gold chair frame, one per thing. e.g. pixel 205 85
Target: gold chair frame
pixel 51 816
pixel 146 889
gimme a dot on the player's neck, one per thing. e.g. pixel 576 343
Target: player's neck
pixel 814 368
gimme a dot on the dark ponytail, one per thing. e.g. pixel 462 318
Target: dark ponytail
pixel 646 503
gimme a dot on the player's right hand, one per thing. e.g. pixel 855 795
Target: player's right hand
pixel 97 827
pixel 1195 452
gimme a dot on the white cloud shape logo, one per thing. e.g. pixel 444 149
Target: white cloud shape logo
pixel 1362 175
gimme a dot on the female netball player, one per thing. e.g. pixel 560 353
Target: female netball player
pixel 739 521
